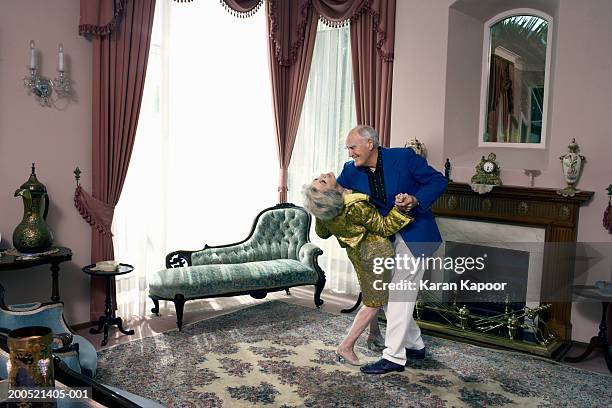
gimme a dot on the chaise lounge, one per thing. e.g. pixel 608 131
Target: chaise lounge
pixel 277 255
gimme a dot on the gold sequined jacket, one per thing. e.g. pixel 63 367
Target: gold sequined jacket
pixel 363 232
pixel 358 219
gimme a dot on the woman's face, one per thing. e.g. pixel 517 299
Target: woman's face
pixel 326 181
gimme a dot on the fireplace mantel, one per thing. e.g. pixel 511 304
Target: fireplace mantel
pixel 532 206
pixel 528 206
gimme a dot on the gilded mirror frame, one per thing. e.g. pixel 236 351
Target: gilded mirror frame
pixel 484 83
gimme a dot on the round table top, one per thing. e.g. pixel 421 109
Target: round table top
pixel 122 269
pixel 592 292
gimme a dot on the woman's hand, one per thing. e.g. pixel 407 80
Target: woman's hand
pixel 405 202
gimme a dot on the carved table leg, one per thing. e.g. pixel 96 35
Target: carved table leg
pixel 108 319
pixel 105 339
pixel 55 282
pixel 608 358
pixel 101 321
pixel 119 323
pixel 599 341
pixel 592 345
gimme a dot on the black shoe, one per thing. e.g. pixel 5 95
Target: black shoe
pixel 382 366
pixel 415 354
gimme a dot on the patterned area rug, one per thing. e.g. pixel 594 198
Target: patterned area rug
pixel 281 355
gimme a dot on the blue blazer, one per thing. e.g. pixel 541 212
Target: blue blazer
pixel 405 171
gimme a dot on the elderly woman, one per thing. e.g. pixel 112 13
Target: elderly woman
pixel 358 227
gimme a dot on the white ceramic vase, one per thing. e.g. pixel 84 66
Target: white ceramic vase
pixel 571 164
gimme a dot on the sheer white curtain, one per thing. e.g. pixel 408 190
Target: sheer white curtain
pixel 327 116
pixel 204 161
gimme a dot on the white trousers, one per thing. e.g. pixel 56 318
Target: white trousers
pixel 402 331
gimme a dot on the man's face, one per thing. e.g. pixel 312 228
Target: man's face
pixel 359 149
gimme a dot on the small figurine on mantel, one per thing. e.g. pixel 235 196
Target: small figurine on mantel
pixel 487 175
pixel 447 170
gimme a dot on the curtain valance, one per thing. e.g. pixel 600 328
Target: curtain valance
pixel 289 18
pixel 100 17
pixel 242 8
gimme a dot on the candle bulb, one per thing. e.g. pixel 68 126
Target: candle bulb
pixel 32 55
pixel 60 64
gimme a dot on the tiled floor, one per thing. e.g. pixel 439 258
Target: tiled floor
pixel 195 311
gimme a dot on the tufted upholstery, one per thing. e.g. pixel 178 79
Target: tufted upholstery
pixel 217 279
pixel 275 256
pixel 278 234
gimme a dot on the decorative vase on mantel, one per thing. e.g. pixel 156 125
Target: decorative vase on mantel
pixel 572 164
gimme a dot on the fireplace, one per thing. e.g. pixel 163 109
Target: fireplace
pixel 517 228
pixel 509 266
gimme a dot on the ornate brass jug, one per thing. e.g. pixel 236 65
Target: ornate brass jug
pixel 30 358
pixel 33 234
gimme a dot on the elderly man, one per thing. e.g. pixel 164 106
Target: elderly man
pixel 400 177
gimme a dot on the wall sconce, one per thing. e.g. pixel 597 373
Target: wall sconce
pixel 42 87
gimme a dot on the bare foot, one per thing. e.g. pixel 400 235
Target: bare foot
pixel 348 355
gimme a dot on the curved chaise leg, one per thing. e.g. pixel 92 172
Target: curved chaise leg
pixel 318 289
pixel 179 303
pixel 155 309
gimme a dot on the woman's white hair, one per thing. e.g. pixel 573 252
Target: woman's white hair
pixel 323 205
pixel 368 133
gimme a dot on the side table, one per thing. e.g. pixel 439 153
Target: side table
pixel 108 319
pixel 62 254
pixel 601 340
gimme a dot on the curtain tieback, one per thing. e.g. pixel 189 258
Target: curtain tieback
pixel 282 180
pixel 97 213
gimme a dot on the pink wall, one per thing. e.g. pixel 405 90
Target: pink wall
pixel 57 139
pixel 436 99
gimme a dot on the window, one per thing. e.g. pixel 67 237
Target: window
pixel 204 161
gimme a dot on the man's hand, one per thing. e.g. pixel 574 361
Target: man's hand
pixel 405 202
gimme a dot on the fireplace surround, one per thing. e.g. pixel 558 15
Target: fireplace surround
pixel 542 213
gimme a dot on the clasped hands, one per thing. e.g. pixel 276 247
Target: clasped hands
pixel 405 202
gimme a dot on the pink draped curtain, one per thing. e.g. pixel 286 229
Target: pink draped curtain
pixel 292 30
pixel 121 31
pixel 372 46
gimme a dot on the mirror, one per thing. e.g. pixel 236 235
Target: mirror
pixel 514 91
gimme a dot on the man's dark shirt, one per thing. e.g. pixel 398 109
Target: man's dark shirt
pixel 376 181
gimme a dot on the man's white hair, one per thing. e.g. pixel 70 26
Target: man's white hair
pixel 368 133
